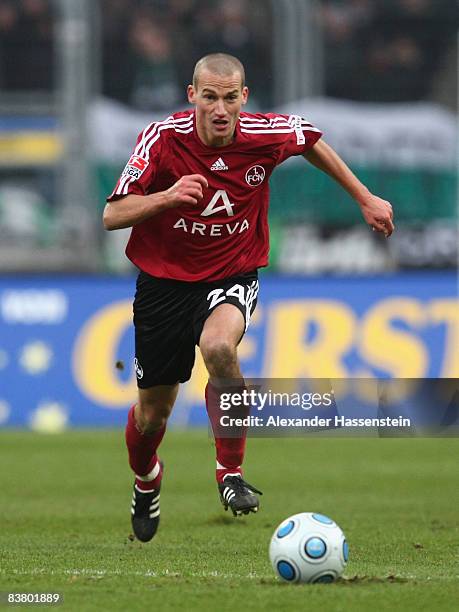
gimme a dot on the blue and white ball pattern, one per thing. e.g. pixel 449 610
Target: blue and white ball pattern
pixel 308 547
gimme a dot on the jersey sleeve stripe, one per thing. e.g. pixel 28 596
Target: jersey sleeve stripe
pixel 121 184
pixel 143 146
pixel 264 119
pixel 144 135
pixel 280 126
pixel 260 126
pixel 154 135
pixel 291 120
pixel 262 123
pixel 288 130
pixel 149 133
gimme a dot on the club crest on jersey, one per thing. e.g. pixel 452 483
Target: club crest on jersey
pixel 135 167
pixel 255 176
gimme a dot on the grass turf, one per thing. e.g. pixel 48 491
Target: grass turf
pixel 65 523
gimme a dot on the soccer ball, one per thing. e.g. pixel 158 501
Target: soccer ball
pixel 308 547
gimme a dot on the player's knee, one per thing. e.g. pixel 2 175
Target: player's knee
pixel 151 427
pixel 219 355
pixel 152 417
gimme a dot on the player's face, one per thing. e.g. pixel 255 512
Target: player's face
pixel 218 101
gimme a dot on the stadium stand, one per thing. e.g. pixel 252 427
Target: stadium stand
pixel 386 54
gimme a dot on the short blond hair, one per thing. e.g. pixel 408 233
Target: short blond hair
pixel 221 64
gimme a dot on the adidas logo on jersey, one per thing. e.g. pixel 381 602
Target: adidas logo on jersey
pixel 219 165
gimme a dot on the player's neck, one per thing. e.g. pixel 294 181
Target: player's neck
pixel 209 140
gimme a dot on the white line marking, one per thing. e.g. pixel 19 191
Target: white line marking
pixel 147 574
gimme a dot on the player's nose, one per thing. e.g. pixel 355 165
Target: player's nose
pixel 220 108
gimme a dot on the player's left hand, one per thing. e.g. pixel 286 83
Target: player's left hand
pixel 378 214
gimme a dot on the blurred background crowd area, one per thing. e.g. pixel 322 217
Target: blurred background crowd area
pixel 148 47
pixel 390 50
pixel 373 50
pixel 78 80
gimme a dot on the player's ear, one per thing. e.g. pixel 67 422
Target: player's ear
pixel 191 94
pixel 245 94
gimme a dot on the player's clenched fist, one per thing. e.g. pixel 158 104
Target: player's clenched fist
pixel 378 214
pixel 187 190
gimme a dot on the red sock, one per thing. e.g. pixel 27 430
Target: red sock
pixel 142 454
pixel 230 451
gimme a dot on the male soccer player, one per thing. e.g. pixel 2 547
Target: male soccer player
pixel 195 192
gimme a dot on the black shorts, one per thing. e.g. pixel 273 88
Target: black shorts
pixel 169 316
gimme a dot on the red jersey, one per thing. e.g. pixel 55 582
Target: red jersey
pixel 227 233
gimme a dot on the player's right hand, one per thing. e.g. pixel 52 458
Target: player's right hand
pixel 187 191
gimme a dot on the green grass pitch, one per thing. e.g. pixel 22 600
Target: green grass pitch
pixel 64 525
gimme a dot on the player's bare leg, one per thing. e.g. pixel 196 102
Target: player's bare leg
pixel 145 429
pixel 220 337
pixel 154 407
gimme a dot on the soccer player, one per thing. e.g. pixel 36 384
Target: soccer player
pixel 195 192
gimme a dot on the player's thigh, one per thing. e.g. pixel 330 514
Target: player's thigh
pixel 224 313
pixel 222 330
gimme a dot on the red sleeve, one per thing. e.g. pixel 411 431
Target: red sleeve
pixel 140 170
pixel 303 137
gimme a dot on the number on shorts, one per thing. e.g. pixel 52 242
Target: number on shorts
pixel 216 296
